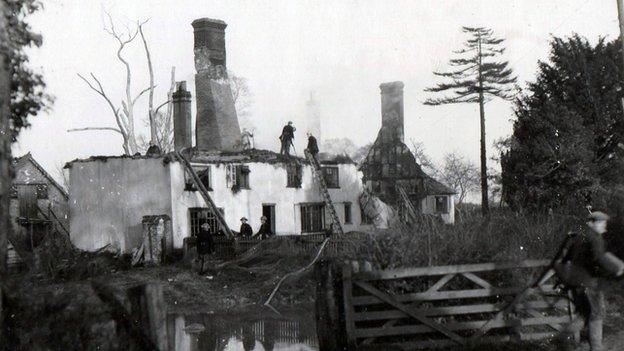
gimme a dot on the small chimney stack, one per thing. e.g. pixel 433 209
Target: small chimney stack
pixel 216 126
pixel 182 129
pixel 392 110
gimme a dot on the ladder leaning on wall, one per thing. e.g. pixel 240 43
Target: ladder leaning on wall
pixel 316 172
pixel 411 211
pixel 204 193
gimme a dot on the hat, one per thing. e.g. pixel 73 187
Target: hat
pixel 243 219
pixel 598 216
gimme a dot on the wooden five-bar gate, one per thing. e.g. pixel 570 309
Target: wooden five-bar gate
pixel 432 307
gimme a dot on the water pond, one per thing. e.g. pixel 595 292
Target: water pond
pixel 260 329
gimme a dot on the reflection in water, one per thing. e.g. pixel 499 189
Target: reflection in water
pixel 241 332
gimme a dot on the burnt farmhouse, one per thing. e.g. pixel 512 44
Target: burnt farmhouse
pixel 110 195
pixel 390 170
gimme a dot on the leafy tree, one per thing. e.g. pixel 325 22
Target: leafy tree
pixel 27 86
pixel 563 150
pixel 21 96
pixel 477 77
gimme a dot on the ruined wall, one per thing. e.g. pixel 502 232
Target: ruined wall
pixel 27 173
pixel 109 197
pixel 267 186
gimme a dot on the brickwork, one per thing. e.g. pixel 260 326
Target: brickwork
pixel 182 126
pixel 216 126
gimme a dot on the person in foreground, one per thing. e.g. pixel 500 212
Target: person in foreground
pixel 205 244
pixel 583 269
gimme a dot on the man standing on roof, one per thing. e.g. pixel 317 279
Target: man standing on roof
pixel 288 134
pixel 312 145
pixel 583 269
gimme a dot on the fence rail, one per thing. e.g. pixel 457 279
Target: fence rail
pixel 348 245
pixel 432 307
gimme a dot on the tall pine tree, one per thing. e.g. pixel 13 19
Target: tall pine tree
pixel 563 151
pixel 477 76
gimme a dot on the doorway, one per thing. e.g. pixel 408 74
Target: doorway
pixel 268 210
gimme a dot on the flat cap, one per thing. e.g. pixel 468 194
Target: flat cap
pixel 598 216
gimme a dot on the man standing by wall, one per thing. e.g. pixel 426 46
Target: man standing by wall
pixel 288 134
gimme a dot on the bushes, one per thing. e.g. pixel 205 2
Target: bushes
pixel 505 237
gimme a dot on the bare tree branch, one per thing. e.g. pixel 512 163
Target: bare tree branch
pixel 141 93
pixel 153 133
pixel 95 128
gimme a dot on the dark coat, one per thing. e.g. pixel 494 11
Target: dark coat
pixel 245 230
pixel 265 231
pixel 312 145
pixel 288 133
pixel 205 242
pixel 587 251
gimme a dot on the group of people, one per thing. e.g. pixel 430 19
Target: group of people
pixel 287 137
pixel 205 240
pixel 264 232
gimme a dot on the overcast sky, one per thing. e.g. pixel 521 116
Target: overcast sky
pixel 342 50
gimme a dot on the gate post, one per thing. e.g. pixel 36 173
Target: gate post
pixel 347 295
pixel 327 314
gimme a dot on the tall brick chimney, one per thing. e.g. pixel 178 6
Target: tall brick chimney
pixel 216 126
pixel 392 111
pixel 182 129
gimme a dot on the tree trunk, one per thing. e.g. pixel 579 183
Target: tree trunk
pixel 5 160
pixel 5 149
pixel 485 207
pixel 620 6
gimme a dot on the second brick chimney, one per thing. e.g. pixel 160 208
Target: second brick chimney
pixel 392 110
pixel 182 128
pixel 216 127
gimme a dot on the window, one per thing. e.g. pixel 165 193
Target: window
pixel 242 176
pixel 312 217
pixel 347 213
pixel 205 177
pixel 204 174
pixel 42 191
pixel 331 177
pixel 441 204
pixel 237 176
pixel 201 215
pixel 293 173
